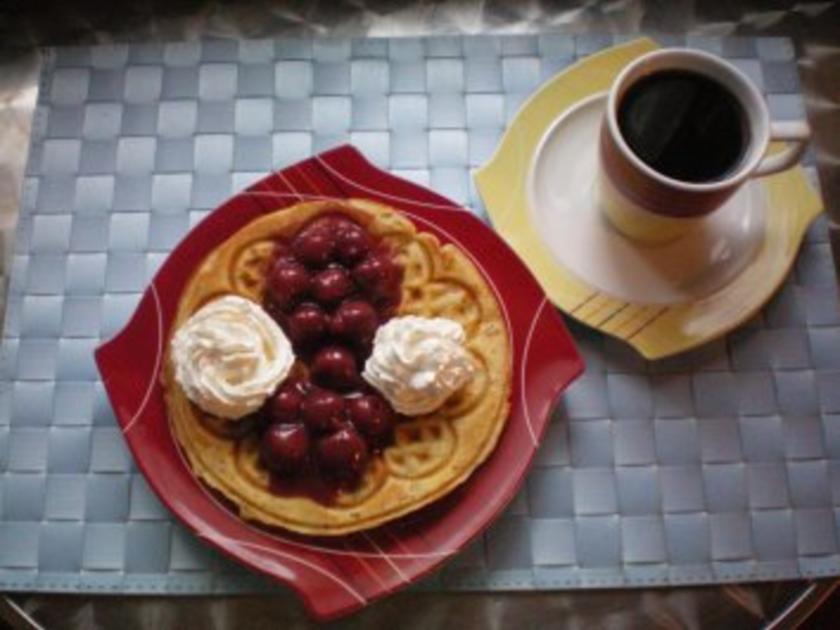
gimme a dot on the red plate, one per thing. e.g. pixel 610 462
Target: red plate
pixel 336 576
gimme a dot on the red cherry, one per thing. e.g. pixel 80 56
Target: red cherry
pixel 274 311
pixel 334 366
pixel 352 244
pixel 390 299
pixel 314 246
pixel 343 454
pixel 284 406
pixel 283 251
pixel 322 410
pixel 287 283
pixel 363 350
pixel 372 416
pixel 339 222
pixel 252 423
pixel 378 275
pixel 355 320
pixel 299 382
pixel 307 324
pixel 284 448
pixel 332 285
pixel 331 223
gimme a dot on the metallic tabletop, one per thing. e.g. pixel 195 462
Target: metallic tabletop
pixel 813 26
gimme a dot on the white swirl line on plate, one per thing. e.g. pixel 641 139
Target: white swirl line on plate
pixel 369 569
pixel 286 181
pixel 387 558
pixel 380 193
pixel 524 367
pixel 221 540
pixel 395 539
pixel 130 424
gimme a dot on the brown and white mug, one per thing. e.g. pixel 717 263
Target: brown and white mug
pixel 651 207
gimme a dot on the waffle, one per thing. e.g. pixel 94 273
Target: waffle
pixel 430 455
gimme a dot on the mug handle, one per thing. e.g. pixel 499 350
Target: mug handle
pixel 797 133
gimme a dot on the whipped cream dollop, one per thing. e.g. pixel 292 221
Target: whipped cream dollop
pixel 418 362
pixel 230 356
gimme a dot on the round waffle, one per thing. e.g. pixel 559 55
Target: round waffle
pixel 430 455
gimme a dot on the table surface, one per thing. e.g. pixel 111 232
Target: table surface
pixel 814 27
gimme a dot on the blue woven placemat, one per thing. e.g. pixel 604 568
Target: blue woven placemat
pixel 719 465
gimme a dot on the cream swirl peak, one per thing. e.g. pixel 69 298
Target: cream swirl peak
pixel 230 356
pixel 418 362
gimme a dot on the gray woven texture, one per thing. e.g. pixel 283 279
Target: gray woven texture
pixel 719 465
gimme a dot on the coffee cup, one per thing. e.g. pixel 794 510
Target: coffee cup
pixel 682 131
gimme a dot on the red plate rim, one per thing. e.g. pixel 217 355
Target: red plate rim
pixel 337 576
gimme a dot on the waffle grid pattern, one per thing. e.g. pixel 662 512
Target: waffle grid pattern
pixel 719 465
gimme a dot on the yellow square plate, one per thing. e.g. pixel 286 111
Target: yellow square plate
pixel 655 329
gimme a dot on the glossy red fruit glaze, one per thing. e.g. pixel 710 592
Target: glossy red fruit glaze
pixel 363 350
pixel 332 223
pixel 250 424
pixel 343 454
pixel 332 285
pixel 355 320
pixel 288 282
pixel 378 275
pixel 284 406
pixel 335 367
pixel 307 324
pixel 372 416
pixel 390 300
pixel 282 251
pixel 275 312
pixel 352 244
pixel 284 448
pixel 322 410
pixel 314 247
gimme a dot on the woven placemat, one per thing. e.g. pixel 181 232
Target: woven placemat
pixel 719 465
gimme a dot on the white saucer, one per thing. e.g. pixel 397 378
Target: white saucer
pixel 563 202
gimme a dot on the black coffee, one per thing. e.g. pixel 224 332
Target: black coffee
pixel 684 125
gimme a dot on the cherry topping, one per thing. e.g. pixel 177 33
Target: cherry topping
pixel 339 223
pixel 355 320
pixel 322 410
pixel 344 453
pixel 307 324
pixel 372 416
pixel 330 266
pixel 314 246
pixel 334 366
pixel 252 423
pixel 283 251
pixel 391 298
pixel 330 223
pixel 378 275
pixel 332 285
pixel 284 406
pixel 284 447
pixel 352 244
pixel 287 282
